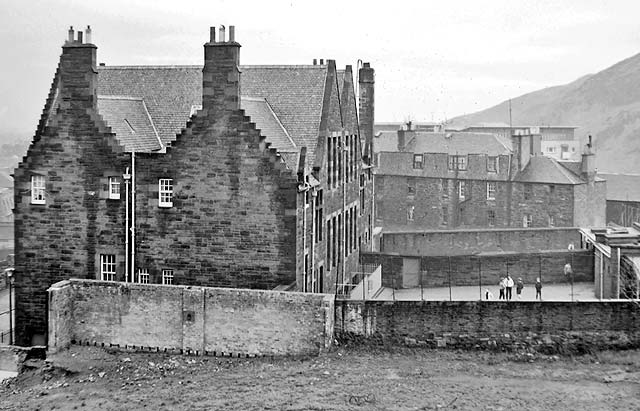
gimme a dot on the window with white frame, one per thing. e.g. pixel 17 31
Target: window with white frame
pixel 457 162
pixel 527 220
pixel 167 277
pixel 107 267
pixel 462 189
pixel 165 192
pixel 114 188
pixel 37 189
pixel 143 276
pixel 491 190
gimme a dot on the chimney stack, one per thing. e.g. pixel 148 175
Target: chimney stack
pixel 366 98
pixel 78 75
pixel 221 73
pixel 588 165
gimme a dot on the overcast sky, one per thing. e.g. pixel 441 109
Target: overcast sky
pixel 433 59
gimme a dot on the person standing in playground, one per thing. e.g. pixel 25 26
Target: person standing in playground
pixel 502 285
pixel 538 289
pixel 519 287
pixel 509 287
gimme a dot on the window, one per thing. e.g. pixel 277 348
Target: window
pixel 107 267
pixel 552 189
pixel 527 192
pixel 165 194
pixel 37 190
pixel 491 217
pixel 462 189
pixel 411 187
pixel 417 161
pixel 457 162
pixel 114 188
pixel 319 218
pixel 143 276
pixel 410 211
pixel 445 215
pixel 492 164
pixel 552 221
pixel 167 277
pixel 491 190
pixel 527 220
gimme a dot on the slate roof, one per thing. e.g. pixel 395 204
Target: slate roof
pixel 573 166
pixel 385 141
pixel 455 143
pixel 262 114
pixel 293 96
pixel 541 169
pixel 622 187
pixel 129 118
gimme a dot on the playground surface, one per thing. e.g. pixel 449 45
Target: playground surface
pixel 550 292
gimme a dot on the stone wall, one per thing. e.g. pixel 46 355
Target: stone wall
pixel 485 269
pixel 202 320
pixel 452 242
pixel 546 326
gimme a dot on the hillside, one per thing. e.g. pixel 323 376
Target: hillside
pixel 605 105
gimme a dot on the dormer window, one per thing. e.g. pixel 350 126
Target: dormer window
pixel 37 190
pixel 165 192
pixel 492 164
pixel 417 161
pixel 457 162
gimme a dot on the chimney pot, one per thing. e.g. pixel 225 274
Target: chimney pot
pixel 221 32
pixel 315 62
pixel 102 64
pixel 232 33
pixel 366 65
pixel 212 34
pixel 71 35
pixel 88 34
pixel 80 37
pixel 321 62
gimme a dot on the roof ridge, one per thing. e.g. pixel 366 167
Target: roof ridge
pixel 110 97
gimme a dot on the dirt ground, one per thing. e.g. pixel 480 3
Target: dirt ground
pixel 87 378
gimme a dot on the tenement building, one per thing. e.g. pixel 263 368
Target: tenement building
pixel 473 180
pixel 216 175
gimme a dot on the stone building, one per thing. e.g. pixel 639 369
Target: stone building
pixel 215 175
pixel 473 180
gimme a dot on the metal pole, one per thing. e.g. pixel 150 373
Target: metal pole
pixel 10 310
pixel 449 257
pixel 480 277
pixel 572 275
pixel 421 286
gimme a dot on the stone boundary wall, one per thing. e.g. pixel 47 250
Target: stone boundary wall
pixel 484 268
pixel 549 327
pixel 461 242
pixel 200 320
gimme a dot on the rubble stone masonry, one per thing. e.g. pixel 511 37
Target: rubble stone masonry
pixel 200 320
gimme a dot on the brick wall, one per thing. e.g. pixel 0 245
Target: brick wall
pixel 203 320
pixel 485 269
pixel 475 324
pixel 480 240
